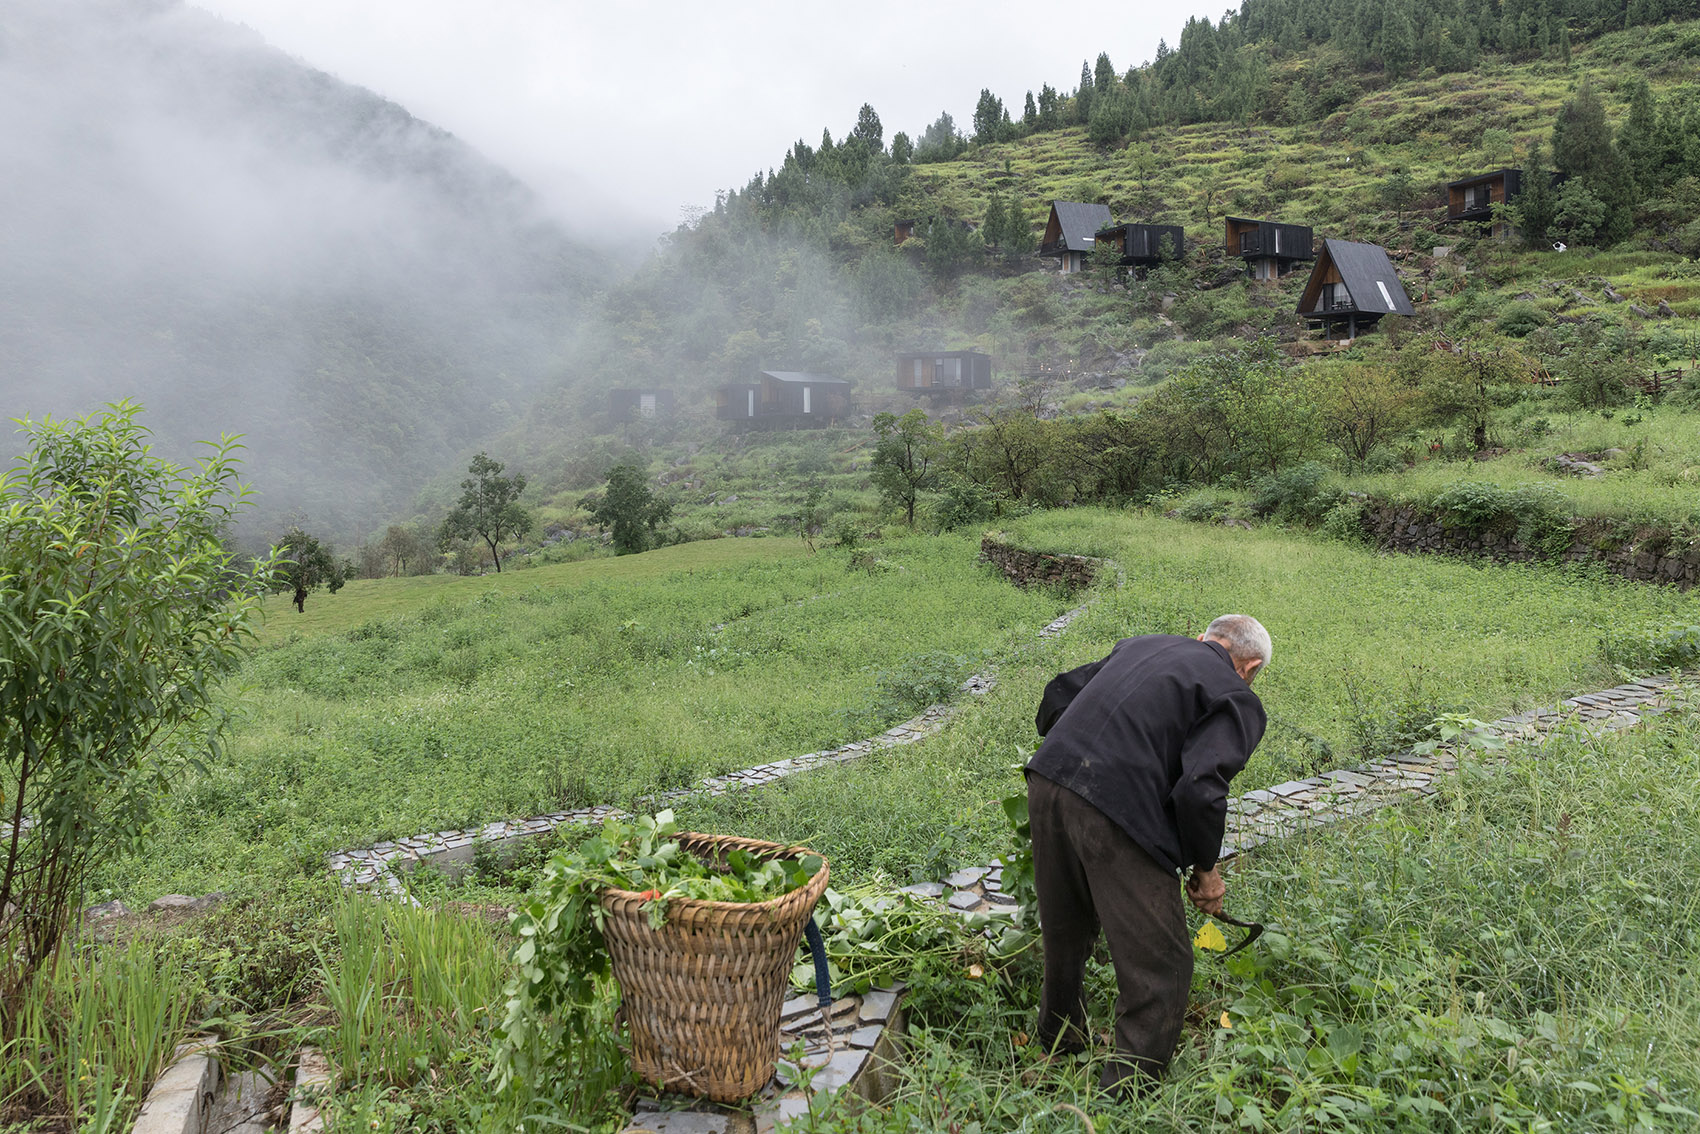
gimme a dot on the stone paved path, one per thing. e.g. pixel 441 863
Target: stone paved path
pixel 1309 804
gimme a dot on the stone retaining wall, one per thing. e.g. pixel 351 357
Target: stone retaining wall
pixel 1408 528
pixel 1027 568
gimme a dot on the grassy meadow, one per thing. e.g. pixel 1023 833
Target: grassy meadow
pixel 1369 648
pixel 402 706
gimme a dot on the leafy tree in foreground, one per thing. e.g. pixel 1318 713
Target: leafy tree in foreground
pixel 489 507
pixel 120 610
pixel 629 509
pixel 906 459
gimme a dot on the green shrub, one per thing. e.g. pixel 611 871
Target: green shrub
pixel 1538 515
pixel 1521 318
pixel 1650 648
pixel 1297 495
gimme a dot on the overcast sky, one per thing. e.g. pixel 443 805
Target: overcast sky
pixel 632 110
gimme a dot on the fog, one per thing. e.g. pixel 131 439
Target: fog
pixel 191 219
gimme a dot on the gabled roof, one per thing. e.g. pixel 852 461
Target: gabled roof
pixel 1368 275
pixel 1481 177
pixel 803 378
pixel 1080 222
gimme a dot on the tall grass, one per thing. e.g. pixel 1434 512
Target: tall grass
pixel 592 683
pixel 94 1031
pixel 415 994
pixel 1522 953
pixel 408 987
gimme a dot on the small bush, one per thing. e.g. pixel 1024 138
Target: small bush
pixel 1649 648
pixel 1297 495
pixel 1521 318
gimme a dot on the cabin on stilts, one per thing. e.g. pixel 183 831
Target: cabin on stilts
pixel 1069 233
pixel 1270 249
pixel 1351 287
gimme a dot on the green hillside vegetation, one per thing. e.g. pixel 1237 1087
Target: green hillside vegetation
pixel 799 270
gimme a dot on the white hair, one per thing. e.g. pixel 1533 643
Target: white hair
pixel 1244 636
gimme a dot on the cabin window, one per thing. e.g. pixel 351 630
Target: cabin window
pixel 1477 197
pixel 752 394
pixel 1248 242
pixel 646 405
pixel 806 400
pixel 1335 297
pixel 918 365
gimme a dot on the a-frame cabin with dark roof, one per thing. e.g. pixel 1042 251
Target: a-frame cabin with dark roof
pixel 1142 245
pixel 1351 287
pixel 1071 232
pixel 1270 249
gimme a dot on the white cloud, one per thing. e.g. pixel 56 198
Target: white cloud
pixel 621 114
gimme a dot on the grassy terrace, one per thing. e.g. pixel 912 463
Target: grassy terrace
pixel 401 706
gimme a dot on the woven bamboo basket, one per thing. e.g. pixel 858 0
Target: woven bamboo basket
pixel 702 994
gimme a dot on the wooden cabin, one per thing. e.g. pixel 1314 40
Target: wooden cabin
pixel 738 401
pixel 903 230
pixel 1070 233
pixel 784 398
pixel 947 373
pixel 625 403
pixel 1270 249
pixel 1351 287
pixel 1142 245
pixel 1473 198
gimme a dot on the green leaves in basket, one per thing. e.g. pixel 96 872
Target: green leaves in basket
pixel 561 961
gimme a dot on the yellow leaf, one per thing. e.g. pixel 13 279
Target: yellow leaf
pixel 1210 938
pixel 975 972
pixel 1227 1023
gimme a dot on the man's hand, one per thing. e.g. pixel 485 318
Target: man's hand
pixel 1206 890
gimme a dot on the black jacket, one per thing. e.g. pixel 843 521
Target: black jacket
pixel 1151 736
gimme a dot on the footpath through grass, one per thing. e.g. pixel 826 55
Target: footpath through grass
pixel 421 705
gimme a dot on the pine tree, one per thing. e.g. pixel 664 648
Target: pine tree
pixel 869 130
pixel 996 220
pixel 1083 95
pixel 1537 204
pixel 989 116
pixel 1030 113
pixel 1103 75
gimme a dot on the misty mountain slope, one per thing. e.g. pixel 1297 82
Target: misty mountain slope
pixel 191 218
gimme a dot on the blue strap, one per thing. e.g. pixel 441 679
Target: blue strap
pixel 817 950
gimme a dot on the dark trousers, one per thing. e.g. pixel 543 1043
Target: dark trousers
pixel 1090 874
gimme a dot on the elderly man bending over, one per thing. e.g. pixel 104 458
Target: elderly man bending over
pixel 1129 791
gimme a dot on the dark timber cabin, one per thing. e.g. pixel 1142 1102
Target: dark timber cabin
pixel 1270 249
pixel 1352 286
pixel 1070 233
pixel 784 397
pixel 626 403
pixel 944 373
pixel 1473 198
pixel 1142 245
